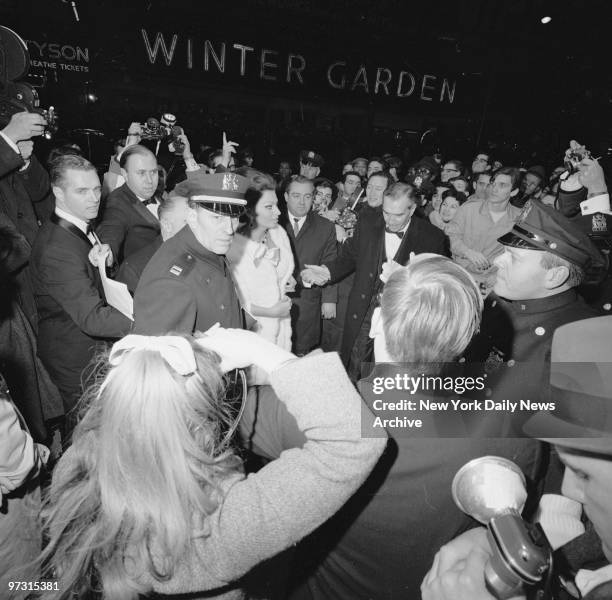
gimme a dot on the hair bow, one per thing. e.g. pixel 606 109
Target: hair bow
pixel 175 350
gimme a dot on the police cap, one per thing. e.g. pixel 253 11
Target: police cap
pixel 540 227
pixel 221 193
pixel 310 157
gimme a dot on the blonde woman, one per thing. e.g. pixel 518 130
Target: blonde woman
pixel 150 498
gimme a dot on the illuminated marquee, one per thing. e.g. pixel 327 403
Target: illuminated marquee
pixel 291 68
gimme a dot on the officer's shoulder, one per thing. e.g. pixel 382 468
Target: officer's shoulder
pixel 181 265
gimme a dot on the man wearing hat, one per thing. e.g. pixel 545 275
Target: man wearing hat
pixel 545 258
pixel 310 164
pixel 580 428
pixel 532 186
pixel 187 285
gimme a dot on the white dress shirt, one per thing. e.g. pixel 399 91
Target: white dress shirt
pixel 393 242
pixel 82 225
pixel 300 222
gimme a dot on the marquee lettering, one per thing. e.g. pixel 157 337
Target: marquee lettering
pixel 270 65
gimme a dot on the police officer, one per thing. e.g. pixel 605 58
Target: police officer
pixel 310 164
pixel 187 285
pixel 580 428
pixel 545 258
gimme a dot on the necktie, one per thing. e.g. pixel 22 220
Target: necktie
pixel 296 226
pixel 399 234
pixel 89 229
pixel 152 200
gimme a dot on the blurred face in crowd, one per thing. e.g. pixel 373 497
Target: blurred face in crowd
pixel 322 197
pixel 481 163
pixel 174 219
pixel 346 168
pixel 215 232
pixel 78 193
pixel 500 190
pixel 531 184
pixel 448 208
pixel 449 170
pixel 436 199
pixel 248 160
pixel 351 184
pixel 588 480
pixel 361 166
pixel 309 171
pixel 460 185
pixel 480 186
pixel 141 174
pixel 284 170
pixel 397 212
pixel 374 190
pixel 299 198
pixel 374 167
pixel 266 210
pixel 520 274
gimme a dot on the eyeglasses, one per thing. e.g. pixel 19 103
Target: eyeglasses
pixel 323 194
pixel 447 170
pixel 296 196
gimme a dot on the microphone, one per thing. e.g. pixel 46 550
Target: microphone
pixel 491 489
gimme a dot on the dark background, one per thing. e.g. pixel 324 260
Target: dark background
pixel 523 88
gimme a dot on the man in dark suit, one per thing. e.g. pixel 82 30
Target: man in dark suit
pixel 385 237
pixel 172 218
pixel 129 218
pixel 382 541
pixel 313 240
pixel 73 314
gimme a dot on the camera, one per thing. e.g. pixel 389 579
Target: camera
pixel 491 489
pixel 15 95
pixel 164 130
pixel 574 157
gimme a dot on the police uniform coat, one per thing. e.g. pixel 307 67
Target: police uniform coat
pixel 364 254
pixel 73 315
pixel 515 339
pixel 185 288
pixel 127 225
pixel 132 267
pixel 315 244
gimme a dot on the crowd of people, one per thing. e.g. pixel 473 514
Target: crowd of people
pixel 210 440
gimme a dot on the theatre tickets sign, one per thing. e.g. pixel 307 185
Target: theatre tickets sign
pixel 219 60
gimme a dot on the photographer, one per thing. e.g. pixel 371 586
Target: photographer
pixel 583 198
pixel 25 192
pixel 458 569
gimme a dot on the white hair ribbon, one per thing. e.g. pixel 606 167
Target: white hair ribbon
pixel 175 350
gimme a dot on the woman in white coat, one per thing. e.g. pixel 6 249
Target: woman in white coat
pixel 262 262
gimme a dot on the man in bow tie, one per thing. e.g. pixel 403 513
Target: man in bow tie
pixel 73 315
pixel 388 234
pixel 129 221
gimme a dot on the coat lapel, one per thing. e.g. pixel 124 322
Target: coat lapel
pixel 408 242
pixel 140 208
pixel 68 226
